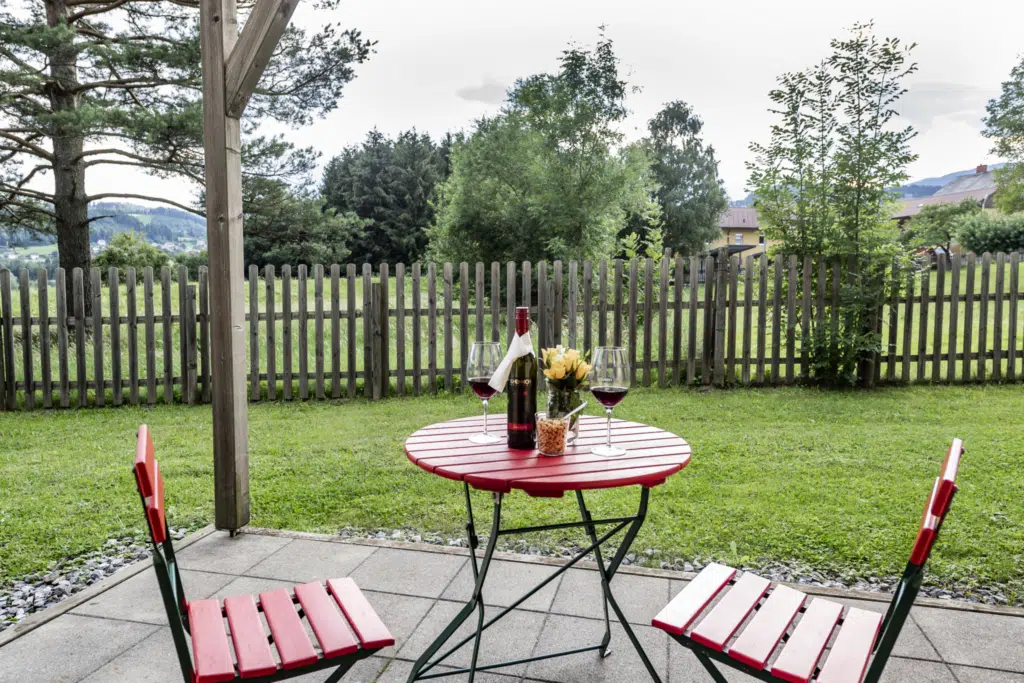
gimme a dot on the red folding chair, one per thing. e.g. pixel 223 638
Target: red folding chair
pixel 244 649
pixel 711 633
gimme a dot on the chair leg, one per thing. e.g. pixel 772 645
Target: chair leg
pixel 710 666
pixel 339 672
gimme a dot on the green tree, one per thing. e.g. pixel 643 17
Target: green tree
pixel 283 227
pixel 1004 125
pixel 548 177
pixel 690 193
pixel 391 184
pixel 938 224
pixel 822 184
pixel 87 84
pixel 982 233
pixel 130 249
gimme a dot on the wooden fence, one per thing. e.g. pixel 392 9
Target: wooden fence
pixel 332 332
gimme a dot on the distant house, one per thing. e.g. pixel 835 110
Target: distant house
pixel 980 186
pixel 740 231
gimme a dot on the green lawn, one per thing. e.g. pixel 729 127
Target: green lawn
pixel 830 480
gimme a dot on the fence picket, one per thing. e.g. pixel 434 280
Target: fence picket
pixel 189 371
pixel 542 316
pixel 985 295
pixel 182 331
pixel 42 283
pixel 922 329
pixel 557 298
pixel 777 322
pixel 1011 346
pixel 417 359
pixel 940 298
pixel 732 332
pixel 335 330
pixel 997 318
pixel 762 317
pixel 908 325
pixel 432 328
pixel 965 371
pixel 648 317
pixel 318 326
pixel 350 328
pixel 495 301
pixel 721 280
pixel 691 355
pixel 806 320
pixel 96 291
pixel 3 345
pixel 633 274
pixel 78 293
pixel 254 333
pixel 302 340
pixel 448 384
pixel 602 305
pixel 63 375
pixel 400 328
pixel 954 313
pixel 510 302
pixel 748 314
pixel 384 376
pixel 663 318
pixel 150 350
pixel 707 357
pixel 618 267
pixel 130 284
pixel 677 322
pixel 479 310
pixel 271 306
pixel 286 332
pixel 113 282
pixel 7 317
pixel 588 306
pixel 791 322
pixel 573 305
pixel 463 325
pixel 890 354
pixel 368 367
pixel 204 332
pixel 25 294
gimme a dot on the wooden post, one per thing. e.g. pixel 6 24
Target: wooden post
pixel 218 33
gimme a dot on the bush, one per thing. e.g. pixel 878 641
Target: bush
pixel 192 262
pixel 130 249
pixel 993 234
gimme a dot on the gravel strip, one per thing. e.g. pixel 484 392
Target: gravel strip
pixel 652 557
pixel 36 592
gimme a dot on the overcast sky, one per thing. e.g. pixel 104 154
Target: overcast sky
pixel 440 64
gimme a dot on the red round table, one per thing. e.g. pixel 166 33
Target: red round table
pixel 652 455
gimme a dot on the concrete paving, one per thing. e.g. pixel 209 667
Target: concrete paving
pixel 118 634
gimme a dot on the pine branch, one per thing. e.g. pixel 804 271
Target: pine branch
pixel 161 200
pixel 26 146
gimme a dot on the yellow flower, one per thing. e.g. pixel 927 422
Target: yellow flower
pixel 556 370
pixel 582 370
pixel 572 355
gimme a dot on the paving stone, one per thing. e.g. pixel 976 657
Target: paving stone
pixel 900 670
pixel 409 572
pixel 513 637
pixel 968 674
pixel 623 665
pixel 640 597
pixel 139 598
pixel 400 613
pixel 683 665
pixel 304 561
pixel 154 660
pixel 67 649
pixel 911 642
pixel 398 672
pixel 974 638
pixel 506 583
pixel 218 552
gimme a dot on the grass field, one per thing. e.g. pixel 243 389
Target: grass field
pixel 834 481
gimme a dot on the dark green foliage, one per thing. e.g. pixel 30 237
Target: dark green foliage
pixel 1004 125
pixel 130 249
pixel 982 233
pixel 284 227
pixel 391 184
pixel 690 193
pixel 938 224
pixel 548 177
pixel 192 262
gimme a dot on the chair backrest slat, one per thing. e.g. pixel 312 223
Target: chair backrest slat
pixel 151 485
pixel 947 480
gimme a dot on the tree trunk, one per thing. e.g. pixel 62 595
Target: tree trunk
pixel 69 201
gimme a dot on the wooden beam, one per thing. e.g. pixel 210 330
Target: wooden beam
pixel 222 142
pixel 247 61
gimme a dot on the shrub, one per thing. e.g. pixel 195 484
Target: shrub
pixel 993 234
pixel 192 262
pixel 130 249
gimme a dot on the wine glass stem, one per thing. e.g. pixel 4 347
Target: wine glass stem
pixel 609 412
pixel 485 417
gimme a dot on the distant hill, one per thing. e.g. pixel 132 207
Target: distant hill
pixel 950 177
pixel 160 224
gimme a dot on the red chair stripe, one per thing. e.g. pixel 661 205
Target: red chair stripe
pixel 947 481
pixel 848 659
pixel 328 624
pixel 255 657
pixel 723 620
pixel 758 640
pixel 210 649
pixel 290 637
pixel 144 460
pixel 685 607
pixel 151 485
pixel 372 632
pixel 928 530
pixel 802 651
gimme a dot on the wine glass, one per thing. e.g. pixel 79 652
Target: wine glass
pixel 484 358
pixel 609 382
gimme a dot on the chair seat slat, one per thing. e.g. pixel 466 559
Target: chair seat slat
pixel 759 639
pixel 328 624
pixel 802 651
pixel 290 637
pixel 725 617
pixel 210 649
pixel 254 655
pixel 685 607
pixel 372 632
pixel 848 659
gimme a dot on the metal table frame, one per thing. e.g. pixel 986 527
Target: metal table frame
pixel 421 670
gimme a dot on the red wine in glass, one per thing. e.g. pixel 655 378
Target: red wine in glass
pixel 609 396
pixel 481 387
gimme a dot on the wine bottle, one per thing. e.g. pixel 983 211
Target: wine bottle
pixel 522 392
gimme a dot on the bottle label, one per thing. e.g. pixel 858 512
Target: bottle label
pixel 520 427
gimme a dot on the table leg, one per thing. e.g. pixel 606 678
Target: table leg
pixel 424 664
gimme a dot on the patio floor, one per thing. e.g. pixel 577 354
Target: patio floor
pixel 116 631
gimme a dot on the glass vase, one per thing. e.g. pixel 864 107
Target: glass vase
pixel 561 402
